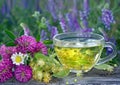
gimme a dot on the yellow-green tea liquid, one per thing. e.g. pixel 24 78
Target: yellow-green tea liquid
pixel 81 58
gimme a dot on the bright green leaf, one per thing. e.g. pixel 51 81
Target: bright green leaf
pixel 11 43
pixel 10 34
pixel 38 38
pixel 48 42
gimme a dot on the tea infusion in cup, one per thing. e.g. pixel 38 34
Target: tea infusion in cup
pixel 81 53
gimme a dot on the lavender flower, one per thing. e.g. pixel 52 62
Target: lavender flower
pixel 25 3
pixel 63 23
pixel 52 9
pixel 107 18
pixel 84 14
pixel 4 9
pixel 86 6
pixel 37 5
pixel 77 26
pixel 75 7
pixel 73 22
pixel 54 31
pixel 43 35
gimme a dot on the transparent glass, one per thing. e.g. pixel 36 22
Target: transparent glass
pixel 80 52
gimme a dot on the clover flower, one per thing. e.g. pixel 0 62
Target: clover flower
pixel 6 52
pixel 5 69
pixel 25 44
pixel 107 18
pixel 23 73
pixel 40 47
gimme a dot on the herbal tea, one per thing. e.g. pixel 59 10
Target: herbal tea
pixel 79 58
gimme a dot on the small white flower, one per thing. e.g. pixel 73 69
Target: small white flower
pixel 18 58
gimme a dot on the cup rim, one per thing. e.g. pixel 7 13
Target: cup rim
pixel 58 40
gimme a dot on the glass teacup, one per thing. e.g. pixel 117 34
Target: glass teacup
pixel 80 53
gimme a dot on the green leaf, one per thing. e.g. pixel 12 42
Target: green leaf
pixel 10 34
pixel 104 67
pixel 62 72
pixel 11 43
pixel 21 33
pixel 38 38
pixel 40 56
pixel 48 42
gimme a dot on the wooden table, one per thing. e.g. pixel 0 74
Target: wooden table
pixel 93 77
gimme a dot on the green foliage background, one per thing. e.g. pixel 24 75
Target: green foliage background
pixel 19 13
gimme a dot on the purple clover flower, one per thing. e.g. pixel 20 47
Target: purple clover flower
pixel 23 73
pixel 6 52
pixel 40 47
pixel 5 69
pixel 25 44
pixel 107 18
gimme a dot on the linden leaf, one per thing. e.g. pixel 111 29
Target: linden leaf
pixel 40 56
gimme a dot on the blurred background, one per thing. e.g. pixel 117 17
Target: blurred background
pixel 45 18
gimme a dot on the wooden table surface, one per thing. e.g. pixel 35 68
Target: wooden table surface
pixel 93 77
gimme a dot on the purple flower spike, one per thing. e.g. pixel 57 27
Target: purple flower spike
pixel 86 5
pixel 69 20
pixel 107 18
pixel 23 73
pixel 63 23
pixel 54 31
pixel 43 35
pixel 52 9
